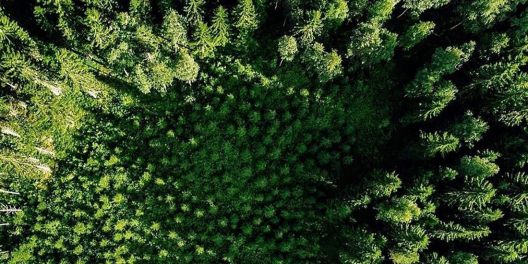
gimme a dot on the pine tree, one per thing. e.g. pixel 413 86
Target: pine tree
pixel 479 166
pixel 203 41
pixel 382 184
pixel 331 66
pixel 186 68
pixel 100 33
pixel 311 29
pixel 247 20
pixel 429 85
pixel 380 11
pixel 361 247
pixel 475 194
pixel 161 76
pixel 336 14
pixel 220 27
pixel 463 258
pixel 415 34
pixel 174 30
pixel 419 6
pixel 287 48
pixel 444 93
pixel 435 143
pixel 434 258
pixel 193 11
pixel 371 44
pixel 327 65
pixel 398 210
pixel 409 241
pixel 469 129
pixel 385 155
pixel 478 15
pixel 450 231
pixel 444 61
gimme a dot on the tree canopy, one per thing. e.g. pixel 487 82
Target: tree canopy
pixel 264 131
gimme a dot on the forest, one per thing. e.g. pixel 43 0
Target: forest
pixel 264 131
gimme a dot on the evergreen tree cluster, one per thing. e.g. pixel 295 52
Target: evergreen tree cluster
pixel 264 131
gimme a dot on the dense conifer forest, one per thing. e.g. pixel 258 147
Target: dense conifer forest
pixel 264 131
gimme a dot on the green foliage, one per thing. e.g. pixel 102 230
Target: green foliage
pixel 187 68
pixel 371 44
pixel 327 65
pixel 220 27
pixel 475 194
pixel 336 14
pixel 479 14
pixel 204 43
pixel 463 258
pixel 287 48
pixel 193 10
pixel 312 29
pixel 247 20
pixel 469 129
pixel 401 257
pixel 435 143
pixel 252 131
pixel 479 167
pixel 399 210
pixel 451 231
pixel 419 6
pixel 429 86
pixel 415 34
pixel 383 184
pixel 174 30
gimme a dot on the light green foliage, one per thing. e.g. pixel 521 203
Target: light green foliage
pixel 419 6
pixel 330 66
pixel 508 251
pixel 174 30
pixel 252 131
pixel 481 14
pixel 478 167
pixel 409 241
pixel 442 143
pixel 99 32
pixel 436 259
pixel 443 94
pixel 193 10
pixel 516 200
pixel 247 20
pixel 429 84
pixel 415 33
pixel 399 210
pixel 141 79
pixel 204 43
pixel 498 43
pixel 287 48
pixel 311 29
pixel 361 247
pixel 371 44
pixel 336 14
pixel 327 65
pixel 451 231
pixel 383 184
pixel 402 257
pixel 381 10
pixel 463 258
pixel 220 27
pixel 357 8
pixel 443 62
pixel 469 129
pixel 186 68
pixel 475 194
